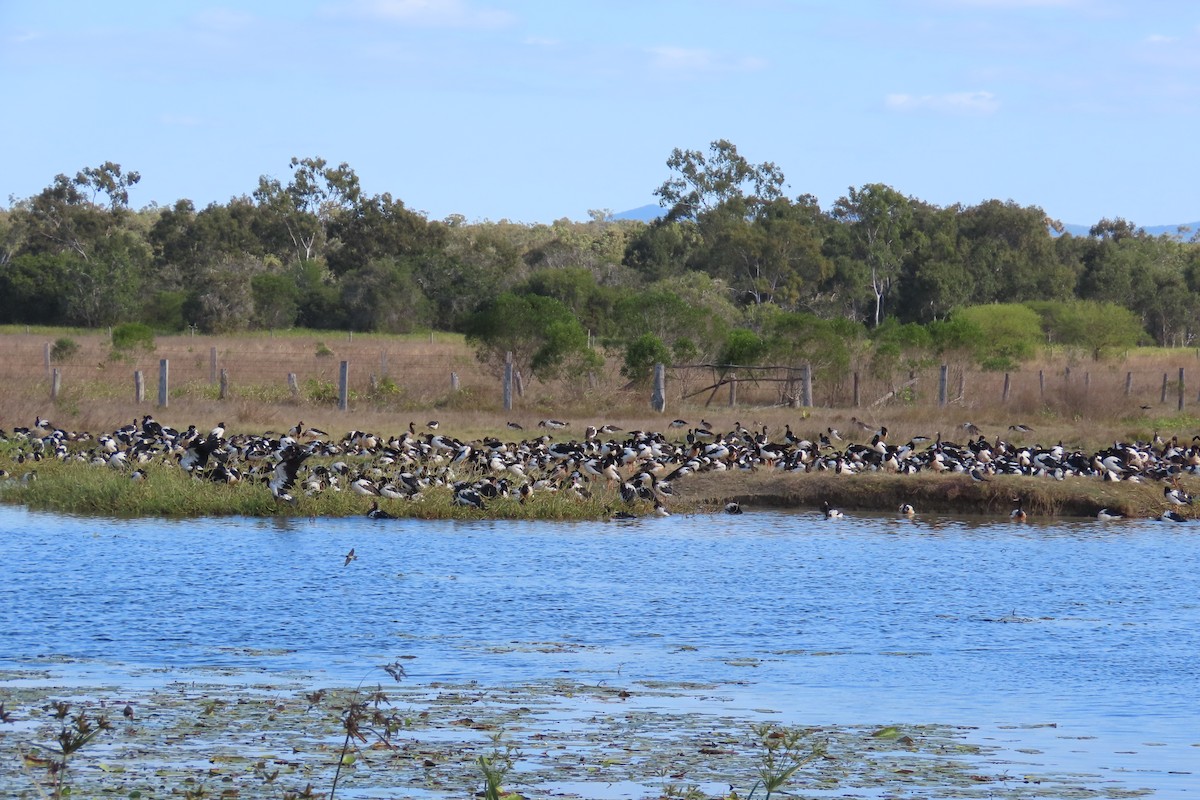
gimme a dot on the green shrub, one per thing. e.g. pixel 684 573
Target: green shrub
pixel 319 391
pixel 63 349
pixel 743 347
pixel 641 355
pixel 132 336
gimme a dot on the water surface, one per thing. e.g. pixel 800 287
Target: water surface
pixel 1078 639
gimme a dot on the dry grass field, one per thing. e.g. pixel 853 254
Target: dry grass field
pixel 396 380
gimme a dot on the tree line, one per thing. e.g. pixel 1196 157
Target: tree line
pixel 733 271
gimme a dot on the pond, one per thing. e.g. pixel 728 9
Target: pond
pixel 1070 644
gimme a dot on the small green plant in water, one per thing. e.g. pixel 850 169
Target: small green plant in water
pixel 495 766
pixel 785 751
pixel 73 737
pixel 363 719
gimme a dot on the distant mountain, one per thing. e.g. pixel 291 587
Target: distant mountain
pixel 642 213
pixel 651 212
pixel 1151 230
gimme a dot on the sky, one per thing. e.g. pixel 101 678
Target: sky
pixel 535 110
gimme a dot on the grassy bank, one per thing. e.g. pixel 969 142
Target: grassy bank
pixel 168 492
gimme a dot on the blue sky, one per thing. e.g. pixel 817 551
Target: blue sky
pixel 533 110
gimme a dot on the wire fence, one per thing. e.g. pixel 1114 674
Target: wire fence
pixel 428 371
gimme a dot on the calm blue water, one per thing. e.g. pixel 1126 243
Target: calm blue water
pixel 868 620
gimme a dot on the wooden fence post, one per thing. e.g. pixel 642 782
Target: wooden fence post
pixel 164 382
pixel 1042 385
pixel 962 386
pixel 344 386
pixel 1128 383
pixel 139 387
pixel 856 394
pixel 732 390
pixel 1163 398
pixel 1180 406
pixel 508 381
pixel 943 377
pixel 1004 395
pixel 454 381
pixel 223 392
pixel 806 398
pixel 658 398
pixel 55 383
pixel 293 385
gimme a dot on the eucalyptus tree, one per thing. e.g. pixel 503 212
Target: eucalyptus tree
pixel 934 281
pixel 384 296
pixel 379 227
pixel 307 205
pixel 543 336
pixel 1010 254
pixel 703 184
pixel 662 249
pixel 80 228
pixel 879 223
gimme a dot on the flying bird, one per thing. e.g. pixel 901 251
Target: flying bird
pixel 350 557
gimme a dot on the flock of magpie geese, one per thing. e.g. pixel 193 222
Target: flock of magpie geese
pixel 640 466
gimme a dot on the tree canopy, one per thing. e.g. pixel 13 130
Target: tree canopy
pixel 734 267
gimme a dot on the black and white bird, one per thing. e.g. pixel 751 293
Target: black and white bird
pixel 378 513
pixel 195 458
pixel 1171 515
pixel 733 508
pixel 283 476
pixel 1018 514
pixel 1104 515
pixel 468 496
pixel 1176 496
pixel 907 510
pixel 830 513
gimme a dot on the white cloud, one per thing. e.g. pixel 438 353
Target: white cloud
pixel 693 60
pixel 950 102
pixel 223 19
pixel 428 13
